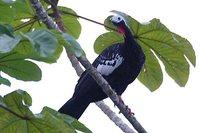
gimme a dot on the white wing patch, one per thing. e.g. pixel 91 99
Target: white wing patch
pixel 110 65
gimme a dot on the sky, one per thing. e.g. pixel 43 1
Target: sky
pixel 171 108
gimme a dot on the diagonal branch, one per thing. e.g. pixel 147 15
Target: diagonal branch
pixel 41 13
pixel 111 94
pixel 113 117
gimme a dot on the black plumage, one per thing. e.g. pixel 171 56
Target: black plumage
pixel 119 64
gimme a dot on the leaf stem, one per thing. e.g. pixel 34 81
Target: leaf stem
pixel 31 21
pixel 88 19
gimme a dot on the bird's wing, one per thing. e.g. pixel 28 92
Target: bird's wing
pixel 110 59
pixel 105 63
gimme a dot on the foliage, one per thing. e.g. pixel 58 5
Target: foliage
pixel 16 117
pixel 157 42
pixel 25 37
pixel 24 40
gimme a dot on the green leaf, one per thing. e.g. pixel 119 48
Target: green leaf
pixel 16 117
pixel 151 75
pixel 184 46
pixel 71 23
pixel 15 66
pixel 26 49
pixel 53 117
pixel 1 100
pixel 13 10
pixel 107 39
pixel 8 43
pixel 77 125
pixel 44 43
pixel 158 42
pixel 4 81
pixel 6 29
pixel 7 13
pixel 18 101
pixel 68 120
pixel 19 14
pixel 23 6
pixel 72 45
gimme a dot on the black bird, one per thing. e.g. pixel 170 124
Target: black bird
pixel 119 64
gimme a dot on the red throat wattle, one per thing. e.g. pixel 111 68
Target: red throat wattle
pixel 121 30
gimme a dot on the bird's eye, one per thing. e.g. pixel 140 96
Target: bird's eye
pixel 119 18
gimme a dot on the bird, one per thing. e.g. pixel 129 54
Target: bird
pixel 119 64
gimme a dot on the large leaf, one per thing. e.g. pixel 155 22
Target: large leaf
pixel 44 44
pixel 159 39
pixel 14 65
pixel 67 120
pixel 16 117
pixel 71 44
pixel 8 43
pixel 107 39
pixel 158 42
pixel 151 75
pixel 71 23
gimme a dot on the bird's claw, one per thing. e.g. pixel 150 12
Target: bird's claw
pixel 127 108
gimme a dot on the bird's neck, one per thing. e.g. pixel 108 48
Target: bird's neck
pixel 131 47
pixel 129 38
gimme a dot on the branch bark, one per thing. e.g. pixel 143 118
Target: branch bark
pixel 113 117
pixel 42 14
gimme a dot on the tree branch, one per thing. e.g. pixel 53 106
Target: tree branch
pixel 42 14
pixel 111 94
pixel 113 116
pixel 59 22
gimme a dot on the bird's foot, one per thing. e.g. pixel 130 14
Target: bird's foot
pixel 127 108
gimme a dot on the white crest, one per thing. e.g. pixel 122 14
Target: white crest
pixel 110 65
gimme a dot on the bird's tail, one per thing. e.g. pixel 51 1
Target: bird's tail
pixel 73 108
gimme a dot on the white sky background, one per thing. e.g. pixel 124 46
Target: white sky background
pixel 169 109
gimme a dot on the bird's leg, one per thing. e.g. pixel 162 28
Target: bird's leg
pixel 127 108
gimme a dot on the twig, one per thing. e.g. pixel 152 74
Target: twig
pixel 31 21
pixel 93 21
pixel 41 13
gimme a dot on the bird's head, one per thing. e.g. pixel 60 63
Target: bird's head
pixel 119 22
